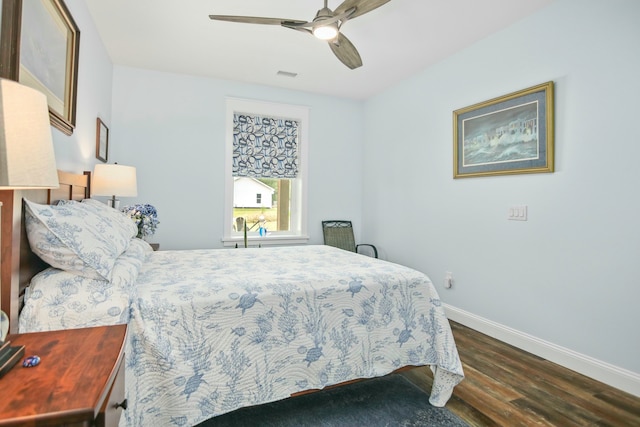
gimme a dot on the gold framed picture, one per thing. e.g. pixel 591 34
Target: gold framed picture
pixel 511 134
pixel 49 50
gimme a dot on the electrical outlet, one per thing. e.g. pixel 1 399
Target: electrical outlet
pixel 448 279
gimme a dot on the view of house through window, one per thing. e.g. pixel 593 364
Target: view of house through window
pixel 266 173
pixel 262 202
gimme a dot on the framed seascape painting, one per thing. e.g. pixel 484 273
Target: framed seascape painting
pixel 49 48
pixel 511 134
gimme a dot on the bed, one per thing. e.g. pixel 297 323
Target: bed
pixel 211 331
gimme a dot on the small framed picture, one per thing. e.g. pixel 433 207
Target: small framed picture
pixel 102 141
pixel 511 134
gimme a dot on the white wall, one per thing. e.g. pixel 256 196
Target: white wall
pixel 570 274
pixel 172 128
pixel 567 276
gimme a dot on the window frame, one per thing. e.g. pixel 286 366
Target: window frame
pixel 298 204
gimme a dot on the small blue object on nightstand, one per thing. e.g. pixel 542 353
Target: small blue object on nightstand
pixel 31 361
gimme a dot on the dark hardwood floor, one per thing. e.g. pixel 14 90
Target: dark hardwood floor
pixel 505 386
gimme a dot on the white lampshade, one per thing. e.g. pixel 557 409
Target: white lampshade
pixel 27 159
pixel 114 180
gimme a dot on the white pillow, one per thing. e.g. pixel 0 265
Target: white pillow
pixel 59 299
pixel 76 238
pixel 118 219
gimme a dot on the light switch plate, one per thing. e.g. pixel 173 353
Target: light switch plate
pixel 517 213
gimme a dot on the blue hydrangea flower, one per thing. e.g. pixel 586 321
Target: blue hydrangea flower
pixel 145 217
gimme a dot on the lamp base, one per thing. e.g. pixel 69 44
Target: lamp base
pixel 9 356
pixel 114 203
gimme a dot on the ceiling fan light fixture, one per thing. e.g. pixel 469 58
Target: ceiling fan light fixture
pixel 326 32
pixel 326 26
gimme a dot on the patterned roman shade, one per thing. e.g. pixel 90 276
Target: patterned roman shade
pixel 264 147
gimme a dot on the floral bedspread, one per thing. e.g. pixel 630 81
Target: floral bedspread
pixel 215 330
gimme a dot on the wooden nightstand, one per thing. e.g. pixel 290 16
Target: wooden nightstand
pixel 79 381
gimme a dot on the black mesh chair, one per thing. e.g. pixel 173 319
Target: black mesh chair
pixel 340 235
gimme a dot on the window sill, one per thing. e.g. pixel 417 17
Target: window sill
pixel 265 241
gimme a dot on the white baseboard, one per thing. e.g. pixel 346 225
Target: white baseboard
pixel 604 372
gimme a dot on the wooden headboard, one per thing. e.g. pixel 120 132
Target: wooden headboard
pixel 72 187
pixel 19 263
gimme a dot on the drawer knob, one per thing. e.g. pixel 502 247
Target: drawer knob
pixel 122 405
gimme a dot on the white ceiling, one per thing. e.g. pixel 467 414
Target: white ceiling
pixel 395 41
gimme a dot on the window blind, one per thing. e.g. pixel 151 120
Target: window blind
pixel 265 147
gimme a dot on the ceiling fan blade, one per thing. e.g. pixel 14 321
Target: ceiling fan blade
pixel 362 6
pixel 322 22
pixel 256 20
pixel 341 46
pixel 298 28
pixel 346 51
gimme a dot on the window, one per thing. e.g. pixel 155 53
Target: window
pixel 266 172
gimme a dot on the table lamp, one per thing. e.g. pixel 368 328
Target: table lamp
pixel 114 180
pixel 27 161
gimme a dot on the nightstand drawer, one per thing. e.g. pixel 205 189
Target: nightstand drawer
pixel 115 403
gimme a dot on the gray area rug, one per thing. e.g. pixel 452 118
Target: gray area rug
pixel 388 401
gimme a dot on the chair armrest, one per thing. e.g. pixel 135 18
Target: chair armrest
pixel 375 251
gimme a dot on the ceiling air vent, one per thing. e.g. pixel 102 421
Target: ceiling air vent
pixel 287 74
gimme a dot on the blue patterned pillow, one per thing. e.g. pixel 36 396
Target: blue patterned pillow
pixel 118 219
pixel 59 299
pixel 76 238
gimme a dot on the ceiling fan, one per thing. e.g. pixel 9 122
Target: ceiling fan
pixel 326 26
